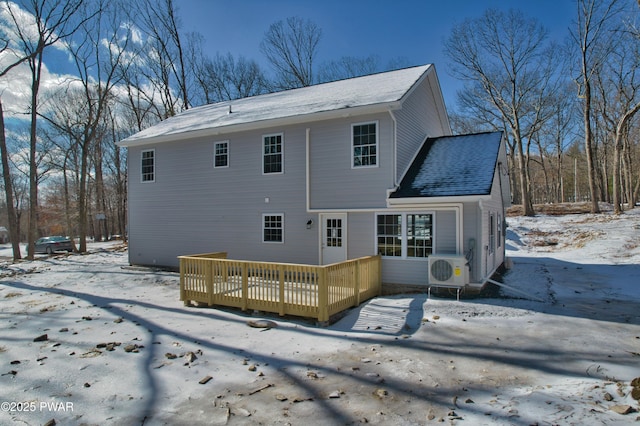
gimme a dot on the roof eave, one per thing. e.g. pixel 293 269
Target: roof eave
pixel 264 124
pixel 425 201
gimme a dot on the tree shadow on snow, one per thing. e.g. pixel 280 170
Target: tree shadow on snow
pixel 390 324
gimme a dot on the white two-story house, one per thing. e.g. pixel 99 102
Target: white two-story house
pixel 322 174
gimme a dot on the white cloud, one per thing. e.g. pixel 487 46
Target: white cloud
pixel 19 27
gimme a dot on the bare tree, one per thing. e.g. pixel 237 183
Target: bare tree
pixel 165 66
pixel 291 47
pixel 96 53
pixel 618 81
pixel 12 216
pixel 592 37
pixel 509 66
pixel 348 67
pixel 17 58
pixel 226 78
pixel 52 21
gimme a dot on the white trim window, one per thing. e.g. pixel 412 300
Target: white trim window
pixel 272 153
pixel 500 229
pixel 221 154
pixel 273 228
pixel 148 165
pixel 404 235
pixel 364 144
pixel 492 233
pixel 419 235
pixel 389 235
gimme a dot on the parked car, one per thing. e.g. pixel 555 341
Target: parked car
pixel 52 244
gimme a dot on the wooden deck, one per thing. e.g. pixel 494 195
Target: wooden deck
pixel 310 291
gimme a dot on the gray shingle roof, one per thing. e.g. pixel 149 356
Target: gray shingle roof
pixel 452 166
pixel 376 89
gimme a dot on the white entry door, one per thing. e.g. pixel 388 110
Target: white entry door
pixel 333 241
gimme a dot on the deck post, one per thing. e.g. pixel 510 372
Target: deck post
pixel 245 286
pixel 281 289
pixel 356 285
pixel 182 284
pixel 323 295
pixel 379 277
pixel 208 276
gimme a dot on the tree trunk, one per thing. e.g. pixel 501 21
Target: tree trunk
pixel 525 193
pixel 617 148
pixel 36 68
pixel 14 229
pixel 588 145
pixel 82 197
pixel 67 206
pixel 101 207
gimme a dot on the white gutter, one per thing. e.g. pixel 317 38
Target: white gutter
pixel 409 201
pixel 240 126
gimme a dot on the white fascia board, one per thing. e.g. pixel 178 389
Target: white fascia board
pixel 429 201
pixel 264 124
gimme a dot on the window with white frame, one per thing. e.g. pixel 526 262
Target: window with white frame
pixel 389 235
pixel 147 165
pixel 273 228
pixel 272 154
pixel 364 144
pixel 221 154
pixel 500 230
pixel 492 233
pixel 404 235
pixel 419 235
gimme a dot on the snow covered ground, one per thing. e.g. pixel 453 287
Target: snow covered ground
pixel 85 339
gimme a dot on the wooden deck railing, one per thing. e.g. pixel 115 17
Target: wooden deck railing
pixel 286 289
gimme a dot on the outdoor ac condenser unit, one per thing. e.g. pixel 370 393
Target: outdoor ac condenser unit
pixel 448 270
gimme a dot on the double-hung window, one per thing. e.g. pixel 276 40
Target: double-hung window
pixel 389 234
pixel 273 228
pixel 364 138
pixel 147 165
pixel 419 235
pixel 492 233
pixel 221 154
pixel 405 235
pixel 500 229
pixel 272 160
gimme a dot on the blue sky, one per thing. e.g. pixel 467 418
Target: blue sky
pixel 410 29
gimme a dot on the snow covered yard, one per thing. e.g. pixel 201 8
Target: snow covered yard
pixel 88 340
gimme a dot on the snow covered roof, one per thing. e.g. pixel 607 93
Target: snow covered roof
pixel 449 166
pixel 381 90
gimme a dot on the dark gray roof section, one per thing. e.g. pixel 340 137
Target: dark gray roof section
pixel 451 166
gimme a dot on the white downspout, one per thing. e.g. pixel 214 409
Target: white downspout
pixel 484 265
pixel 460 227
pixel 307 169
pixel 395 149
